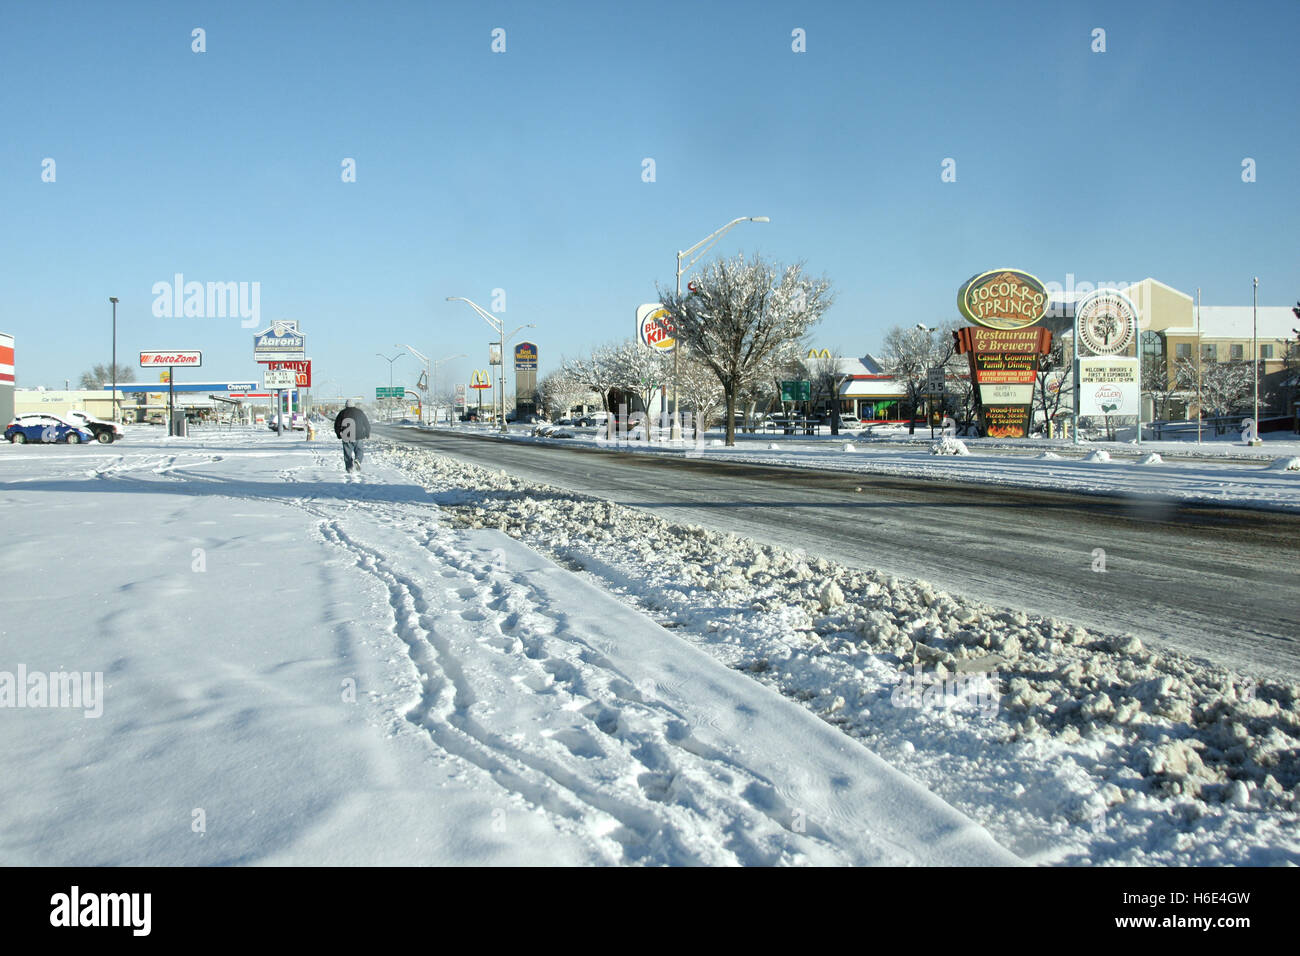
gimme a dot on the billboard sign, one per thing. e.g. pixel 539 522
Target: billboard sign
pixel 282 340
pixel 460 393
pixel 1108 386
pixel 654 327
pixel 1004 369
pixel 179 359
pixel 480 379
pixel 1002 299
pixel 274 378
pixel 300 367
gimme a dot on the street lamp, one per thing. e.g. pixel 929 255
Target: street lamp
pixel 431 369
pixel 1254 354
pixel 922 327
pixel 390 362
pixel 706 243
pixel 112 396
pixel 499 327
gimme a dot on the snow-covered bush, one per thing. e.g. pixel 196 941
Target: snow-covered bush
pixel 1100 455
pixel 949 446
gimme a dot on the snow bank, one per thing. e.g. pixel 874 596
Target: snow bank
pixel 949 446
pixel 1151 459
pixel 1285 464
pixel 1100 455
pixel 1071 746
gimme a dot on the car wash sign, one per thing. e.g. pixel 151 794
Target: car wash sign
pixel 282 340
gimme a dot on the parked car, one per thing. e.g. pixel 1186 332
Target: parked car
pixel 292 420
pixel 45 428
pixel 105 432
pixel 595 419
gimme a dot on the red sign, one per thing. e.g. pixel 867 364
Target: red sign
pixel 301 367
pixel 189 359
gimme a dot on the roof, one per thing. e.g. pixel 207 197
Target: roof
pixel 1235 322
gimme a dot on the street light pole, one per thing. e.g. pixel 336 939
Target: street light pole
pixel 1254 354
pixel 1199 412
pixel 112 396
pixel 390 362
pixel 499 327
pixel 707 243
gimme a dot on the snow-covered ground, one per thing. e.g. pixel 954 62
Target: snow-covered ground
pixel 275 664
pixel 1261 477
pixel 1070 746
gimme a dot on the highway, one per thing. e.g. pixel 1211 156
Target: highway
pixel 1217 583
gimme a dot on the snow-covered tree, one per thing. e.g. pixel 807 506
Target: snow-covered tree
pixel 598 371
pixel 1224 385
pixel 740 314
pixel 640 369
pixel 700 392
pixel 559 392
pixel 908 353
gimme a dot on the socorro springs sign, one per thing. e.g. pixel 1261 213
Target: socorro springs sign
pixel 654 327
pixel 1003 299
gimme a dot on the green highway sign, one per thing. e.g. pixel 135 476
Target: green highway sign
pixel 395 391
pixel 796 391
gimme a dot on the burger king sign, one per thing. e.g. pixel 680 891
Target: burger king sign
pixel 655 329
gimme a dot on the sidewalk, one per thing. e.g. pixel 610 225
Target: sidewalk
pixel 299 669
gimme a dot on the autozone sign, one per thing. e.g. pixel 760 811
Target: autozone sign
pixel 300 367
pixel 190 359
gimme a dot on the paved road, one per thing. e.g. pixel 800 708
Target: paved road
pixel 1219 583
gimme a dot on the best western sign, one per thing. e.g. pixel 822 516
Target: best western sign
pixel 179 359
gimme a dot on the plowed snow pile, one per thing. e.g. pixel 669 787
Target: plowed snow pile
pixel 1070 746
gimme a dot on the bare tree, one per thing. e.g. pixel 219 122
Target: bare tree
pixel 1054 380
pixel 102 375
pixel 909 353
pixel 740 314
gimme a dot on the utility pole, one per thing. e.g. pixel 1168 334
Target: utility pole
pixel 112 396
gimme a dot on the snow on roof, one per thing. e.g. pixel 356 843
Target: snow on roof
pixel 1235 321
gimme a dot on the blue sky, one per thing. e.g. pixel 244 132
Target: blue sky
pixel 522 171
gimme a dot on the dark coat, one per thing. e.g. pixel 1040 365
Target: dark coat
pixel 360 424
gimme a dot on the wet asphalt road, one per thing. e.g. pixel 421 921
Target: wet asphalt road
pixel 1219 583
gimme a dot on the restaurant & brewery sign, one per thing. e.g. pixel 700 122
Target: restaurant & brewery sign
pixel 1002 347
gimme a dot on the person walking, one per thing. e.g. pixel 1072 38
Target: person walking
pixel 352 427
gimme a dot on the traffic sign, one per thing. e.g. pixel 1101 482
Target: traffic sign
pixel 386 391
pixel 934 381
pixel 796 391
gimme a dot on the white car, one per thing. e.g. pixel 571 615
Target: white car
pixel 294 420
pixel 105 432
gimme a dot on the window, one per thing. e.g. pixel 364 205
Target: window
pixel 1236 352
pixel 1266 351
pixel 1209 353
pixel 1183 350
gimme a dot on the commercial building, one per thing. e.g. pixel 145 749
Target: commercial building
pixel 6 378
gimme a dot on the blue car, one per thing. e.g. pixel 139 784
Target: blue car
pixel 45 428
